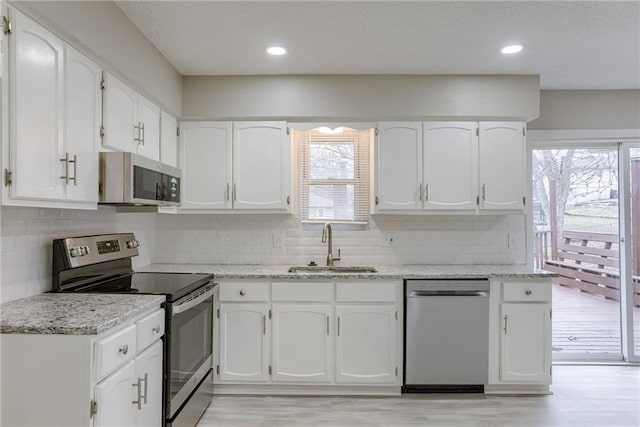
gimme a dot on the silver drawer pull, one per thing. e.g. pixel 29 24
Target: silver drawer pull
pixel 528 292
pixel 139 386
pixel 124 349
pixel 156 329
pixel 242 292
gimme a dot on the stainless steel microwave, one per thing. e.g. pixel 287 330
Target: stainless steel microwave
pixel 130 179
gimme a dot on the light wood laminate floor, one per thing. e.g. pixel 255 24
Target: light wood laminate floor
pixel 583 396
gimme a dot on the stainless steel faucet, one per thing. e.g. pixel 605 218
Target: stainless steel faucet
pixel 327 237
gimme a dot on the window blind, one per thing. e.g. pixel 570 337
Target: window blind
pixel 333 175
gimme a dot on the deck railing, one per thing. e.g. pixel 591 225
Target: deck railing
pixel 586 261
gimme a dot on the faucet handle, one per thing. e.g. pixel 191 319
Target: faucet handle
pixel 337 258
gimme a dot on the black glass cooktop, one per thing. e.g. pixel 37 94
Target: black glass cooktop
pixel 173 285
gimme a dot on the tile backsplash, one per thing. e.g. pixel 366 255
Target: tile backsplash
pixel 387 240
pixel 254 239
pixel 27 234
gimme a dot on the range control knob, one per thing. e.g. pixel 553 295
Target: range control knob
pixel 74 252
pixel 132 244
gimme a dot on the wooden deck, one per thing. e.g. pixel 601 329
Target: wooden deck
pixel 587 324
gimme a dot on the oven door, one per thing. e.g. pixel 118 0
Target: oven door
pixel 189 346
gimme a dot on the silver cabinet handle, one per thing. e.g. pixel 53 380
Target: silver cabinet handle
pixel 528 292
pixel 264 324
pixel 137 127
pixel 235 190
pixel 228 192
pixel 75 169
pixel 505 324
pixel 124 349
pixel 156 329
pixel 426 192
pixel 142 133
pixel 338 331
pixel 139 386
pixel 420 192
pixel 242 292
pixel 146 388
pixel 327 325
pixel 484 192
pixel 65 159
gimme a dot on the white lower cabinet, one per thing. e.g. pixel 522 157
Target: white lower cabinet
pixel 366 344
pixel 243 342
pixel 520 338
pixel 87 380
pixel 310 333
pixel 302 344
pixel 524 350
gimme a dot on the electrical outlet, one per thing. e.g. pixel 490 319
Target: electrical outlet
pixel 390 238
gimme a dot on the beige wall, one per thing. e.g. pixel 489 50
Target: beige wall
pixel 588 109
pixel 361 97
pixel 103 31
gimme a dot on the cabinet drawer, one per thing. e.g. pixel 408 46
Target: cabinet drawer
pixel 244 291
pixel 114 350
pixel 149 329
pixel 526 291
pixel 301 291
pixel 366 291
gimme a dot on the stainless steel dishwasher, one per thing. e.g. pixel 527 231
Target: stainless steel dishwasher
pixel 446 335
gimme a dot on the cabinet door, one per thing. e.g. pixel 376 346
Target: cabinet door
pixel 149 118
pixel 149 368
pixel 119 115
pixel 168 139
pixel 525 344
pixel 83 116
pixel 366 344
pixel 302 350
pixel 243 342
pixel 261 166
pixel 35 94
pixel 501 165
pixel 399 166
pixel 450 165
pixel 205 160
pixel 114 397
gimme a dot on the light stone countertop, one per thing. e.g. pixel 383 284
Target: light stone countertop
pixel 72 314
pixel 279 272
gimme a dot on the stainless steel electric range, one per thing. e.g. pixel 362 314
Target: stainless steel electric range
pixel 102 264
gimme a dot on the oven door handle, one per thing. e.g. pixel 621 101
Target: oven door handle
pixel 182 307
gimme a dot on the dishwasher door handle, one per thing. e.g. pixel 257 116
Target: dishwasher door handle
pixel 419 294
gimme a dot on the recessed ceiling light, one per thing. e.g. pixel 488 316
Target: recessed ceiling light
pixel 276 50
pixel 514 48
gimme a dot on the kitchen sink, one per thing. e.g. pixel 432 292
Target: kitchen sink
pixel 333 269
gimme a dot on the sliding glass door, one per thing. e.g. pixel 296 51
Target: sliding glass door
pixel 586 228
pixel 630 249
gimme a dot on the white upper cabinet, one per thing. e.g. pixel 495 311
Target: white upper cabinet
pixel 450 165
pixel 131 122
pixel 205 160
pixel 168 139
pixel 501 165
pixel 54 120
pixel 149 128
pixel 82 125
pixel 239 166
pixel 35 111
pixel 261 166
pixel 399 166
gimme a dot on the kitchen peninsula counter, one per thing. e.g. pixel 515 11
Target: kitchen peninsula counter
pixel 72 314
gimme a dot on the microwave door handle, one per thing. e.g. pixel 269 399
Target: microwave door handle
pixel 158 191
pixel 180 308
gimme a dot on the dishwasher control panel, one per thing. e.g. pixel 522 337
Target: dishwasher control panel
pixel 452 285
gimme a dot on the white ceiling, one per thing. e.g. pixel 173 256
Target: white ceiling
pixel 570 44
